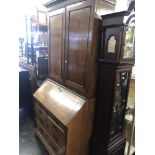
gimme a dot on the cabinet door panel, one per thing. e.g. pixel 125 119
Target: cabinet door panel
pixel 77 38
pixel 56 44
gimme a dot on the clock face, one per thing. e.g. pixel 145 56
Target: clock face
pixel 129 51
pixel 111 44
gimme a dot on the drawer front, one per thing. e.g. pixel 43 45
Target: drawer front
pixel 56 133
pixel 41 116
pixel 48 141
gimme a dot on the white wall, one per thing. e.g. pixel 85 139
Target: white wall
pixel 121 5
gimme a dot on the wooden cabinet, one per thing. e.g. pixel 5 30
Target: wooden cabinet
pixel 56 44
pixel 32 73
pixel 63 120
pixel 67 99
pixel 25 95
pixel 73 38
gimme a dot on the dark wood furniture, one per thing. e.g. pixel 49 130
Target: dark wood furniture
pixel 114 73
pixel 63 120
pixel 27 85
pixel 25 95
pixel 42 64
pixel 112 93
pixel 32 73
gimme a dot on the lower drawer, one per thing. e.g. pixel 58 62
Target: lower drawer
pixel 40 115
pixel 54 129
pixel 47 141
pixel 56 133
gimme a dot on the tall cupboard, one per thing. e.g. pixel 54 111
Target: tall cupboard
pixel 73 38
pixel 67 98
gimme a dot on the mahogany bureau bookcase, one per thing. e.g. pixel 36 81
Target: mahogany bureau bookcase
pixel 65 103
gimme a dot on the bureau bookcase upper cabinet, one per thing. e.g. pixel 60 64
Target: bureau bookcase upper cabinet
pixel 71 56
pixel 56 44
pixel 73 40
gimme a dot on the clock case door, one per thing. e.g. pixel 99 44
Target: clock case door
pixel 112 94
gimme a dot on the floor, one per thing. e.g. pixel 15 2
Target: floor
pixel 29 144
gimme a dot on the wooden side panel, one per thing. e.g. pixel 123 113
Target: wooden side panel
pixel 92 63
pixel 77 38
pixel 80 130
pixel 56 44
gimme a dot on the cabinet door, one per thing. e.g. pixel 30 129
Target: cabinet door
pixel 77 52
pixel 56 24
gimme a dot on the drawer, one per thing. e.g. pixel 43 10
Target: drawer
pixel 41 116
pixel 56 132
pixel 48 141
